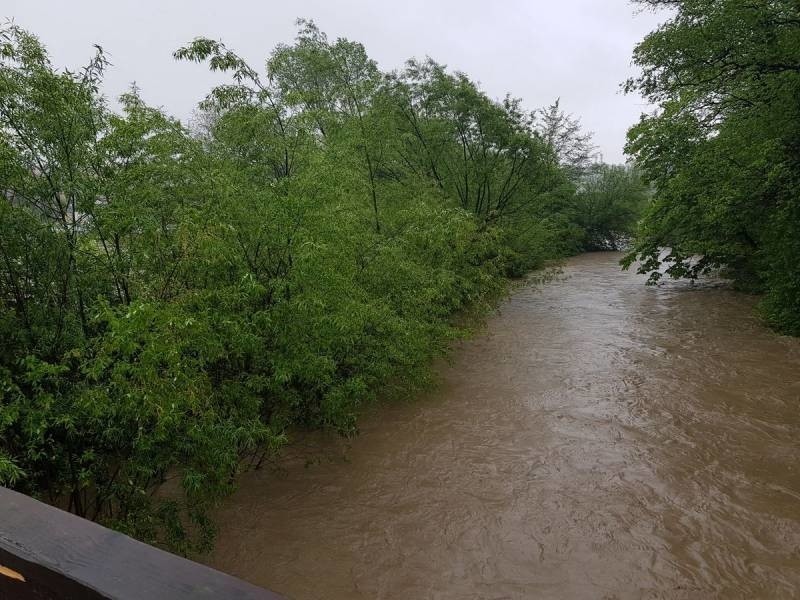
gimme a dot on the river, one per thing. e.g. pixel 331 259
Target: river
pixel 598 439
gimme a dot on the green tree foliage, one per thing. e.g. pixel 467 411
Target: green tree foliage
pixel 114 364
pixel 173 302
pixel 572 146
pixel 723 147
pixel 609 201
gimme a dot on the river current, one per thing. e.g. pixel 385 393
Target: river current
pixel 597 439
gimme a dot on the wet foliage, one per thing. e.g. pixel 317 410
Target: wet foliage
pixel 175 300
pixel 723 148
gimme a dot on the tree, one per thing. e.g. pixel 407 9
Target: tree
pixel 335 84
pixel 570 145
pixel 175 302
pixel 609 201
pixel 105 383
pixel 722 148
pixel 482 152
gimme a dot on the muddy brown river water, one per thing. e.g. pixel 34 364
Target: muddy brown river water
pixel 598 439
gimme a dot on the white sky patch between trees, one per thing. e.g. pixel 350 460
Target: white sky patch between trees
pixel 576 50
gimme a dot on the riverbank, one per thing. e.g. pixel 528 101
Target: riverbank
pixel 600 437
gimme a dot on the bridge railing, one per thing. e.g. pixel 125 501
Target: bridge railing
pixel 49 554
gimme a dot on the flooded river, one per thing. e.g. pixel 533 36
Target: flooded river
pixel 598 439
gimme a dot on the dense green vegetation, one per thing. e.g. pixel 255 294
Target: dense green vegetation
pixel 723 149
pixel 173 299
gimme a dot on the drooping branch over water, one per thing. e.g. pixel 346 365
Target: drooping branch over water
pixel 723 147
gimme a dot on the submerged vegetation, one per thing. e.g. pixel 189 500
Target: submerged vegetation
pixel 723 148
pixel 173 299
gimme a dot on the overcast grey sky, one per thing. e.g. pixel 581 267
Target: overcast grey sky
pixel 578 50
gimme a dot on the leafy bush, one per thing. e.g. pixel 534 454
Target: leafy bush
pixel 174 302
